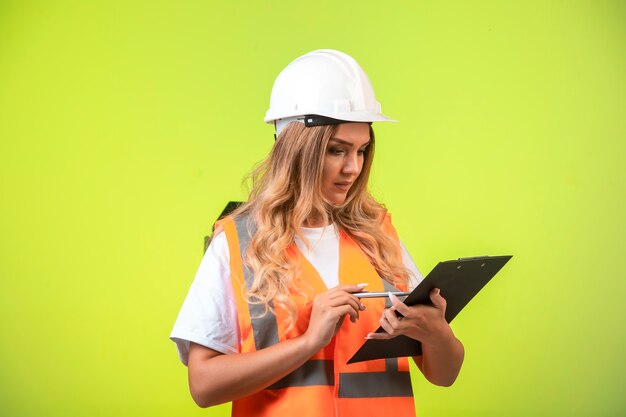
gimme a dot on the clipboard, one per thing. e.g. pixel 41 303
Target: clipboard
pixel 459 281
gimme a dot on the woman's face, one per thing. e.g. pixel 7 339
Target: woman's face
pixel 343 160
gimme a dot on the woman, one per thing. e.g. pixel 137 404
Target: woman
pixel 263 324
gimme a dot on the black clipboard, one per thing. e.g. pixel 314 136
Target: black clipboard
pixel 459 281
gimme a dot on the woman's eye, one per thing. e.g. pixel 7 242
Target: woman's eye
pixel 335 151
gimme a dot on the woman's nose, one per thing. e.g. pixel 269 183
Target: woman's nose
pixel 352 164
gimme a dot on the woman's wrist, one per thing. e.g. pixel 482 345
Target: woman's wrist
pixel 309 343
pixel 443 338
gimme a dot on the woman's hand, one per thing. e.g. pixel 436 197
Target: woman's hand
pixel 421 322
pixel 329 310
pixel 442 353
pixel 215 378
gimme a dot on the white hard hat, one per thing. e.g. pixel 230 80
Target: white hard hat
pixel 323 87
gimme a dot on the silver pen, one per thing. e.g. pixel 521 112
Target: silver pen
pixel 380 294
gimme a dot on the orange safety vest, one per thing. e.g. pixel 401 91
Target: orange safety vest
pixel 325 385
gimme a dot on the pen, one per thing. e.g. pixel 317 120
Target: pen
pixel 380 294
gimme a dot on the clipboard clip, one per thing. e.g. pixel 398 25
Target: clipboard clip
pixel 474 258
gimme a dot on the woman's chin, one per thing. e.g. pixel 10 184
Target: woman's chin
pixel 336 199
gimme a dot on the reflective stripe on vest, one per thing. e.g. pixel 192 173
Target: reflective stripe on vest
pixel 265 327
pixel 313 372
pixel 318 372
pixel 264 323
pixel 369 385
pixel 389 288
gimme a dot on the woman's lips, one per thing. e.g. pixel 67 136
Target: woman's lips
pixel 343 186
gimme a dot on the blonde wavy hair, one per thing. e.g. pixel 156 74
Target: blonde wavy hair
pixel 286 190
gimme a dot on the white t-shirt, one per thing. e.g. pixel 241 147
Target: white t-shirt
pixel 209 313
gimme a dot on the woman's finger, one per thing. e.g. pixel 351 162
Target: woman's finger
pixel 384 323
pixel 400 306
pixel 346 298
pixel 392 318
pixel 343 310
pixel 379 336
pixel 438 301
pixel 351 288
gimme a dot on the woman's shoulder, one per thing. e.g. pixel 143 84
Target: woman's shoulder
pixel 221 223
pixel 228 223
pixel 388 225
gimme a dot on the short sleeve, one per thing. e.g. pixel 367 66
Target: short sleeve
pixel 208 315
pixel 415 276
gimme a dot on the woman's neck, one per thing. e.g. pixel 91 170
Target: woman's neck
pixel 316 221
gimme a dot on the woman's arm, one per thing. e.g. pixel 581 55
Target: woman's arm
pixel 442 353
pixel 215 378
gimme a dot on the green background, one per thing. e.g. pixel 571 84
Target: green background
pixel 125 127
